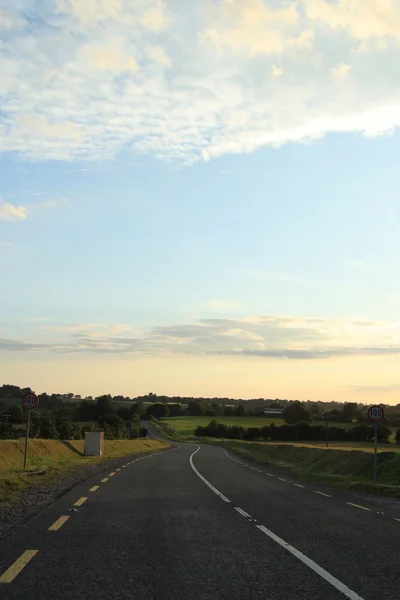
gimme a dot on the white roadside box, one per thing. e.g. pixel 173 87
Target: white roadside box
pixel 94 443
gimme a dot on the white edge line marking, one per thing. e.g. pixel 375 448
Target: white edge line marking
pixel 357 506
pixel 311 565
pixel 242 512
pixel 204 480
pixel 341 587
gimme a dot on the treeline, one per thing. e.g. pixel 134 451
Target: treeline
pixel 45 427
pixel 300 432
pixel 64 423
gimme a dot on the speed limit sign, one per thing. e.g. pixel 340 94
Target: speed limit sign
pixel 376 413
pixel 29 401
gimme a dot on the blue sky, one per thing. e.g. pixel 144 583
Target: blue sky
pixel 213 188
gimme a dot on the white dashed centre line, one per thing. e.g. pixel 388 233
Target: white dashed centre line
pixel 322 494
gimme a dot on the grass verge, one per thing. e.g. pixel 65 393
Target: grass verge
pixel 50 460
pixel 342 468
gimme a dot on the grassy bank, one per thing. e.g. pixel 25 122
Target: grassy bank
pixel 50 460
pixel 342 467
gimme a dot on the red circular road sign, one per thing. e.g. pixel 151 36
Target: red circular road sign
pixel 29 401
pixel 376 413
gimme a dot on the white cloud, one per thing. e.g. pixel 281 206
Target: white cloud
pixel 82 84
pixel 341 71
pixel 157 54
pixel 9 212
pixel 255 27
pixel 110 56
pixel 364 20
pixel 273 336
pixel 277 71
pixel 91 11
pixel 155 17
pixel 5 21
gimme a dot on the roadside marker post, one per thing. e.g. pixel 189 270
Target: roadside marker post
pixel 376 414
pixel 29 401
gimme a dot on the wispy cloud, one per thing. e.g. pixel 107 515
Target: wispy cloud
pixel 294 338
pixel 375 389
pixel 211 85
pixel 11 212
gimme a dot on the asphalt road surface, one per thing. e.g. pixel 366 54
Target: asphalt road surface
pixel 197 523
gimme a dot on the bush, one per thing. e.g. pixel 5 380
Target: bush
pixel 47 429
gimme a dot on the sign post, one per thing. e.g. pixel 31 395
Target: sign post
pixel 376 414
pixel 29 401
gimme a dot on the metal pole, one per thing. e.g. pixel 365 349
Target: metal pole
pixel 28 423
pixel 326 432
pixel 375 450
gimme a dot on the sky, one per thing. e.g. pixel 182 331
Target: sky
pixel 201 198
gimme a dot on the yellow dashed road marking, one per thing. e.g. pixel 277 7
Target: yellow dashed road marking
pixel 111 474
pixel 80 501
pixel 298 485
pixel 323 494
pixel 58 524
pixel 94 488
pixel 358 506
pixel 104 480
pixel 17 567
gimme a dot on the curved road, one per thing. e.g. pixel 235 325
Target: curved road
pixel 195 523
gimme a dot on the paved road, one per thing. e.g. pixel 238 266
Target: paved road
pixel 193 523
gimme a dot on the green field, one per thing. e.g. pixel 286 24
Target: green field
pixel 185 426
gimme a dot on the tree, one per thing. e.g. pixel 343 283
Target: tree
pixel 113 427
pixel 174 410
pixel 65 430
pixel 158 410
pixel 16 414
pixel 239 411
pixel 104 406
pixel 87 411
pixel 137 408
pixel 349 411
pixel 295 413
pixel 47 428
pixel 124 412
pixel 195 408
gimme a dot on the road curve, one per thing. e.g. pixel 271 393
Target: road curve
pixel 193 523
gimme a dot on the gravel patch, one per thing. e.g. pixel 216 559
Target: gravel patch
pixel 34 499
